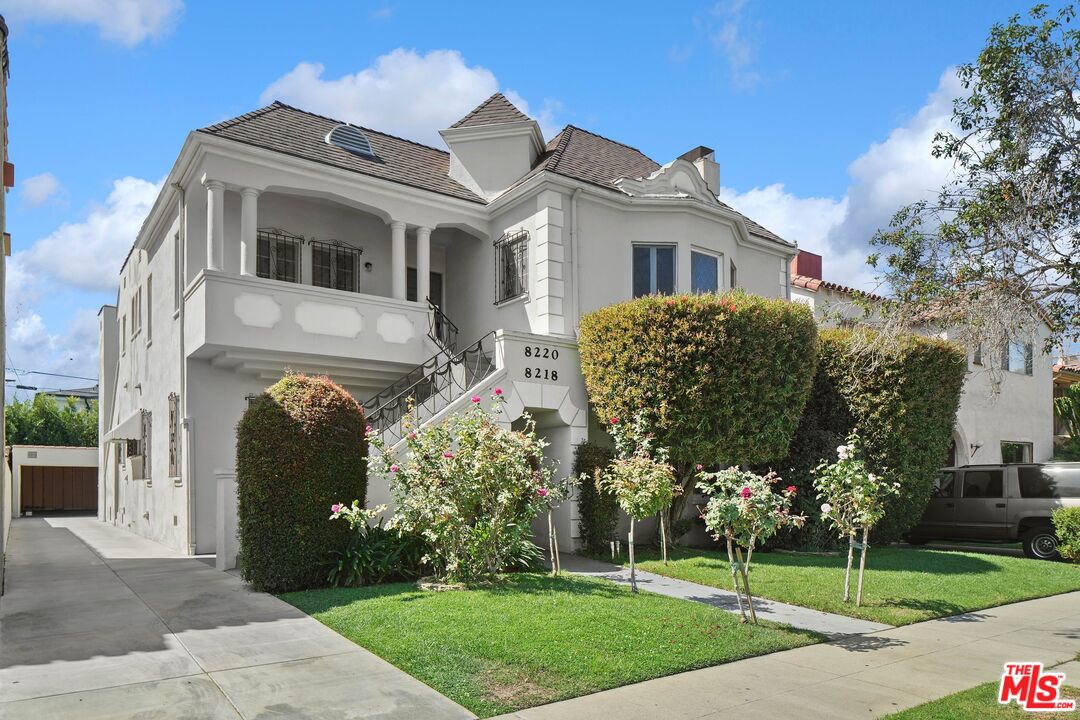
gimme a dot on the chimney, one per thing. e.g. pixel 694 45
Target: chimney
pixel 807 264
pixel 703 159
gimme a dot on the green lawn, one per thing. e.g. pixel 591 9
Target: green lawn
pixel 902 585
pixel 535 639
pixel 978 703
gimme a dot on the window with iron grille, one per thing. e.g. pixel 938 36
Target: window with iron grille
pixel 277 255
pixel 174 435
pixel 334 265
pixel 511 271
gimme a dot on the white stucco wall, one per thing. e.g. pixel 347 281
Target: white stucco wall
pixel 44 456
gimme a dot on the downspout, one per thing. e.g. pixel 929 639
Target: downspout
pixel 186 423
pixel 575 265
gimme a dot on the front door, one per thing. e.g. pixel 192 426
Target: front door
pixel 980 508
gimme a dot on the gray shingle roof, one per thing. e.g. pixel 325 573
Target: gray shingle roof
pixel 496 109
pixel 289 130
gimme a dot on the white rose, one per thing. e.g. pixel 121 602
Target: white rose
pixel 872 477
pixel 843 452
pixel 826 508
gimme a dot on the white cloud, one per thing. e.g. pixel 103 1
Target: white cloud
pixel 729 34
pixel 890 174
pixel 88 254
pixel 402 93
pixel 39 189
pixel 127 22
pixel 73 351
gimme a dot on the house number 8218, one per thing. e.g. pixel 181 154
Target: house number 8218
pixel 536 352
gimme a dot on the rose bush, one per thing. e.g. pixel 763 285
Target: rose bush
pixel 377 551
pixel 469 488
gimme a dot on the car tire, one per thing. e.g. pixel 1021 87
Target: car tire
pixel 1040 543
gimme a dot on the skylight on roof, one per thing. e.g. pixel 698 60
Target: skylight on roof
pixel 351 139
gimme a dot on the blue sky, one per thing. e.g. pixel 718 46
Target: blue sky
pixel 820 113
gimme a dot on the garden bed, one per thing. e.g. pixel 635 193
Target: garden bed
pixel 902 585
pixel 978 703
pixel 535 639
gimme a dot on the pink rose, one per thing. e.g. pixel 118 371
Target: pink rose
pixel 448 455
pixel 393 468
pixel 791 489
pixel 700 467
pixel 542 492
pixel 336 508
pixel 368 429
pixel 475 399
pixel 614 421
pixel 412 435
pixel 745 492
pixel 498 391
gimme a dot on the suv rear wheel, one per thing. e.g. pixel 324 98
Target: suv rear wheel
pixel 1040 543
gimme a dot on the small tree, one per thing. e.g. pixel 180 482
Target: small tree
pixel 468 487
pixel 853 499
pixel 743 509
pixel 640 478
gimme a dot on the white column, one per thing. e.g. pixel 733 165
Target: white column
pixel 249 229
pixel 397 259
pixel 215 223
pixel 423 263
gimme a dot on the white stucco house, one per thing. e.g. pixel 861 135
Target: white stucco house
pixel 1011 423
pixel 286 240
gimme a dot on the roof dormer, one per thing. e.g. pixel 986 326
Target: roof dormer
pixel 493 146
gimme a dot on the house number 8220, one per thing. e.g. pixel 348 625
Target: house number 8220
pixel 537 352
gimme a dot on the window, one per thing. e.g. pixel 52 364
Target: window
pixel 511 274
pixel 982 484
pixel 174 435
pixel 654 270
pixel 136 312
pixel 1049 481
pixel 784 289
pixel 123 334
pixel 149 305
pixel 733 277
pixel 704 272
pixel 435 288
pixel 334 265
pixel 144 444
pixel 1015 452
pixel 1018 357
pixel 277 255
pixel 943 485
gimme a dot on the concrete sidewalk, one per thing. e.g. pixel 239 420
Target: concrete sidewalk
pixel 131 629
pixel 858 677
pixel 828 624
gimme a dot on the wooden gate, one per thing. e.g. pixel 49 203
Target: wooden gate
pixel 58 488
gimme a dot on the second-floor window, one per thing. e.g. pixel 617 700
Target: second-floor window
pixel 511 274
pixel 334 265
pixel 278 255
pixel 704 272
pixel 1019 357
pixel 654 269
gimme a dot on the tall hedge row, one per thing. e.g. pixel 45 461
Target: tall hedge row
pixel 598 512
pixel 300 447
pixel 901 396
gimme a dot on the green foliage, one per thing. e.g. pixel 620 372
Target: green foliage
pixel 299 448
pixel 723 377
pixel 902 400
pixel 852 498
pixel 597 509
pixel 640 477
pixel 376 552
pixel 1067 528
pixel 469 488
pixel 41 421
pixel 1067 409
pixel 744 507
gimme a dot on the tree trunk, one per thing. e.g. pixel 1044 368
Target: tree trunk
pixel 555 534
pixel 862 565
pixel 684 474
pixel 630 552
pixel 746 585
pixel 663 538
pixel 847 571
pixel 735 579
pixel 551 547
pixel 750 552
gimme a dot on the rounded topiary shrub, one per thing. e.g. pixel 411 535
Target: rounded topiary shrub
pixel 598 511
pixel 300 447
pixel 723 378
pixel 901 394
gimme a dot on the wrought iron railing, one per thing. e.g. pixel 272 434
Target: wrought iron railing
pixel 430 388
pixel 441 329
pixel 511 265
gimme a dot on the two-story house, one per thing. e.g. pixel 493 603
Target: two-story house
pixel 286 240
pixel 1011 420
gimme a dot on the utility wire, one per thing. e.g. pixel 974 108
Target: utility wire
pixel 39 372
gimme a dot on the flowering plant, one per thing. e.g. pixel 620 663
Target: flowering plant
pixel 852 500
pixel 376 551
pixel 469 487
pixel 743 508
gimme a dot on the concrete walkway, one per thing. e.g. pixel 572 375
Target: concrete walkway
pixel 859 677
pixel 828 624
pixel 99 623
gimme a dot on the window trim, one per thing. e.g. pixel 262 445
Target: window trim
pixel 653 247
pixel 1027 453
pixel 1029 357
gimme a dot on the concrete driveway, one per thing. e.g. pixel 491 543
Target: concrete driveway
pixel 99 623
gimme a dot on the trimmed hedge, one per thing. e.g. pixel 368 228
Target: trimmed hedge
pixel 598 511
pixel 300 447
pixel 724 377
pixel 902 401
pixel 1067 528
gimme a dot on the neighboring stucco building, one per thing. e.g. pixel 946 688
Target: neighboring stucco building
pixel 287 240
pixel 1014 424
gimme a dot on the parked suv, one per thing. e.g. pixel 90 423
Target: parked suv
pixel 1002 503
